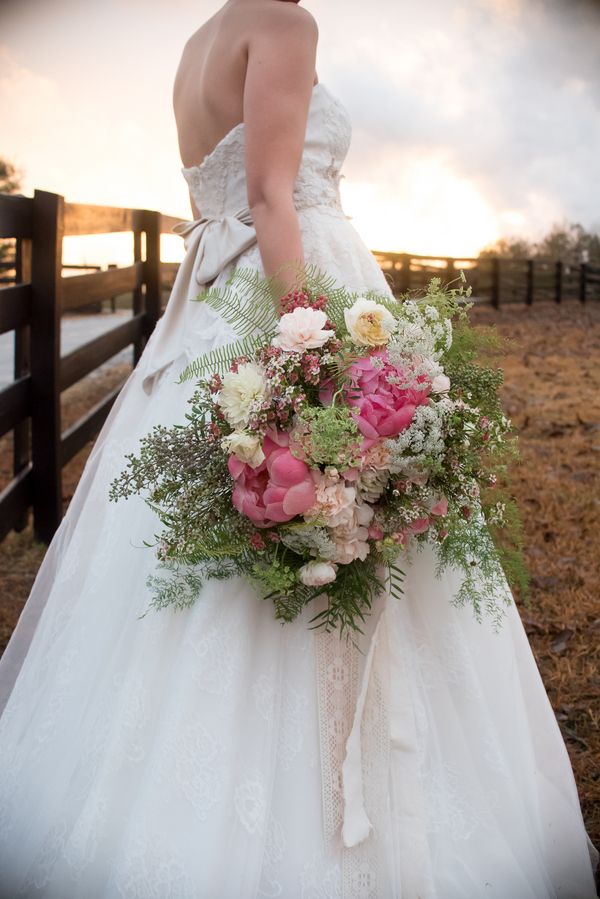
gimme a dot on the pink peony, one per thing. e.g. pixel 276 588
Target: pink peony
pixel 278 489
pixel 383 408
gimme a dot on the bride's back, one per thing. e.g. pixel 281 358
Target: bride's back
pixel 208 92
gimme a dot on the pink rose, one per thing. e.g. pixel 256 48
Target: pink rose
pixel 278 489
pixel 440 508
pixel 419 526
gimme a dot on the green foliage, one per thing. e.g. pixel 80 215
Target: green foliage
pixel 450 302
pixel 179 589
pixel 350 597
pixel 245 302
pixel 395 580
pixel 328 435
pixel 219 360
pixel 470 547
pixel 276 576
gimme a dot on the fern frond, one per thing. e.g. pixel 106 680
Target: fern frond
pixel 212 547
pixel 396 579
pixel 220 359
pixel 245 302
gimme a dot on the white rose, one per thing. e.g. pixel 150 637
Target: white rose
pixel 302 329
pixel 245 446
pixel 369 323
pixel 240 390
pixel 440 384
pixel 316 574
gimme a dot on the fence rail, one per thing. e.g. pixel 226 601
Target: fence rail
pixel 37 293
pixel 31 306
pixel 495 280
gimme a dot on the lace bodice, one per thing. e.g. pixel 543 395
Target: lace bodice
pixel 218 184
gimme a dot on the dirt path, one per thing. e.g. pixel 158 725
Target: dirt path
pixel 552 394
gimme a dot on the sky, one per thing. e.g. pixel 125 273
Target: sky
pixel 472 119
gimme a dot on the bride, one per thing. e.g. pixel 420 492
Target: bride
pixel 213 752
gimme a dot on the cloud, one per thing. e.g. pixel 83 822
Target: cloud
pixel 506 91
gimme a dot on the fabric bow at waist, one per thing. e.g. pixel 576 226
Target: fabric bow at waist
pixel 210 245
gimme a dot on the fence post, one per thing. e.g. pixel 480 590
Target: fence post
pixel 529 282
pixel 404 285
pixel 137 297
pixel 153 308
pixel 112 300
pixel 46 270
pixel 495 282
pixel 22 365
pixel 583 282
pixel 558 281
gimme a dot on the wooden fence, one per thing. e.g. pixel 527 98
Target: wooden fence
pixel 32 307
pixel 36 293
pixel 494 280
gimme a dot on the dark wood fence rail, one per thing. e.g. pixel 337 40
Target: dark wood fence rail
pixel 495 280
pixel 32 307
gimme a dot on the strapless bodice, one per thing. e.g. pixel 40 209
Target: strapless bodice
pixel 218 183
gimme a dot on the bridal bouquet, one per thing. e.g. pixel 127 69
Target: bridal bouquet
pixel 334 437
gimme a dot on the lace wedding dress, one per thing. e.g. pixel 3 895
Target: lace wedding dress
pixel 215 753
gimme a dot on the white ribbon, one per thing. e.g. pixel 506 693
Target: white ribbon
pixel 210 245
pixel 356 825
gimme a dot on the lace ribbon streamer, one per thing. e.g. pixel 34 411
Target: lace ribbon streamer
pixel 352 695
pixel 356 825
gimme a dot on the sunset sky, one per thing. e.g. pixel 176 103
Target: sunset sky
pixel 471 120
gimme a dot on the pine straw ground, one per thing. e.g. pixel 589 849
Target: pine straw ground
pixel 552 394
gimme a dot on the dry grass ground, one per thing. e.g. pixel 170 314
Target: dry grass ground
pixel 552 394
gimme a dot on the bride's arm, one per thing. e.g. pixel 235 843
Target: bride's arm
pixel 277 94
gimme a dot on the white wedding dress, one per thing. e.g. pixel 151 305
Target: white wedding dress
pixel 215 753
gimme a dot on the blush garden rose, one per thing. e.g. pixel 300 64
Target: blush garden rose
pixel 302 329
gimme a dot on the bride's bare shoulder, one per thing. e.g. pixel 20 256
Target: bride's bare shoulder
pixel 283 16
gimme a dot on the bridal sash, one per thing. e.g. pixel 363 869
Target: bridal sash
pixel 210 245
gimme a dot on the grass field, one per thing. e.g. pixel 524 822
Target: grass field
pixel 552 394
